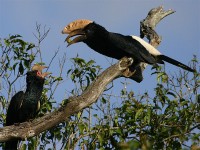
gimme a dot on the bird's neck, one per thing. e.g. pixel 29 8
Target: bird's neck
pixel 97 37
pixel 97 31
pixel 34 90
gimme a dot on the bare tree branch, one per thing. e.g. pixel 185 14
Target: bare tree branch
pixel 74 105
pixel 148 24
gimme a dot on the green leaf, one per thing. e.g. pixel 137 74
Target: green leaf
pixel 32 57
pixel 21 68
pixel 30 46
pixel 172 94
pixel 138 113
pixel 198 98
pixel 14 66
pixel 79 115
pixel 7 42
pixel 23 147
pixel 95 115
pixel 26 63
pixel 159 75
pixel 81 128
pixel 103 100
pixel 90 62
pixel 148 116
pixel 184 103
pixel 15 36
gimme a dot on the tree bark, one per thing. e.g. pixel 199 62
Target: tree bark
pixel 74 105
pixel 148 25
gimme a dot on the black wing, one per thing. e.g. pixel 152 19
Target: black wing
pixel 13 109
pixel 131 47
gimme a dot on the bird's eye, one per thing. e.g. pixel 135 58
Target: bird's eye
pixel 89 32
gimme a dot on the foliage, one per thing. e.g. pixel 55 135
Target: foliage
pixel 16 58
pixel 83 72
pixel 170 119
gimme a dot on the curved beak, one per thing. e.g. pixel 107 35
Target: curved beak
pixel 81 36
pixel 40 69
pixel 45 74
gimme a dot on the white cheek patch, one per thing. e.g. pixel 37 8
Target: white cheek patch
pixel 148 46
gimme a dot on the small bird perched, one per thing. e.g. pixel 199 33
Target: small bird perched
pixel 24 106
pixel 116 45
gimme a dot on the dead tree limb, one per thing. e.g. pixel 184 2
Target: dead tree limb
pixel 74 105
pixel 148 25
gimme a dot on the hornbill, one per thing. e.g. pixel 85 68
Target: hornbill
pixel 25 105
pixel 116 45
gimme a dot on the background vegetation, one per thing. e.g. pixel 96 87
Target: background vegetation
pixel 166 118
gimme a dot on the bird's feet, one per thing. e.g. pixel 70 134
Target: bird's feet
pixel 128 73
pixel 124 65
pixel 125 62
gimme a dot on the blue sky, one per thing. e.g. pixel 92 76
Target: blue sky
pixel 180 31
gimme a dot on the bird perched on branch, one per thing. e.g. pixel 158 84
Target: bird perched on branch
pixel 116 45
pixel 25 105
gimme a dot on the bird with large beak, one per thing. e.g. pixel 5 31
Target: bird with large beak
pixel 117 46
pixel 25 105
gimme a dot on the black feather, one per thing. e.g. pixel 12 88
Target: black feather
pixel 11 145
pixel 175 62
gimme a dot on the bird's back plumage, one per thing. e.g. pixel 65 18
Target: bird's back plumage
pixel 116 45
pixel 129 47
pixel 13 117
pixel 14 107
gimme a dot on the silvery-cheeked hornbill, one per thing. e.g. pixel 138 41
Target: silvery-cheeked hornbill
pixel 116 45
pixel 25 105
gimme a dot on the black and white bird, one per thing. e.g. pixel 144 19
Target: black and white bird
pixel 116 45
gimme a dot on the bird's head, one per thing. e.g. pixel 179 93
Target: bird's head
pixel 82 30
pixel 36 71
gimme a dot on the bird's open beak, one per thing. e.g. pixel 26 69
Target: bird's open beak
pixel 45 74
pixel 40 68
pixel 80 36
pixel 76 28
